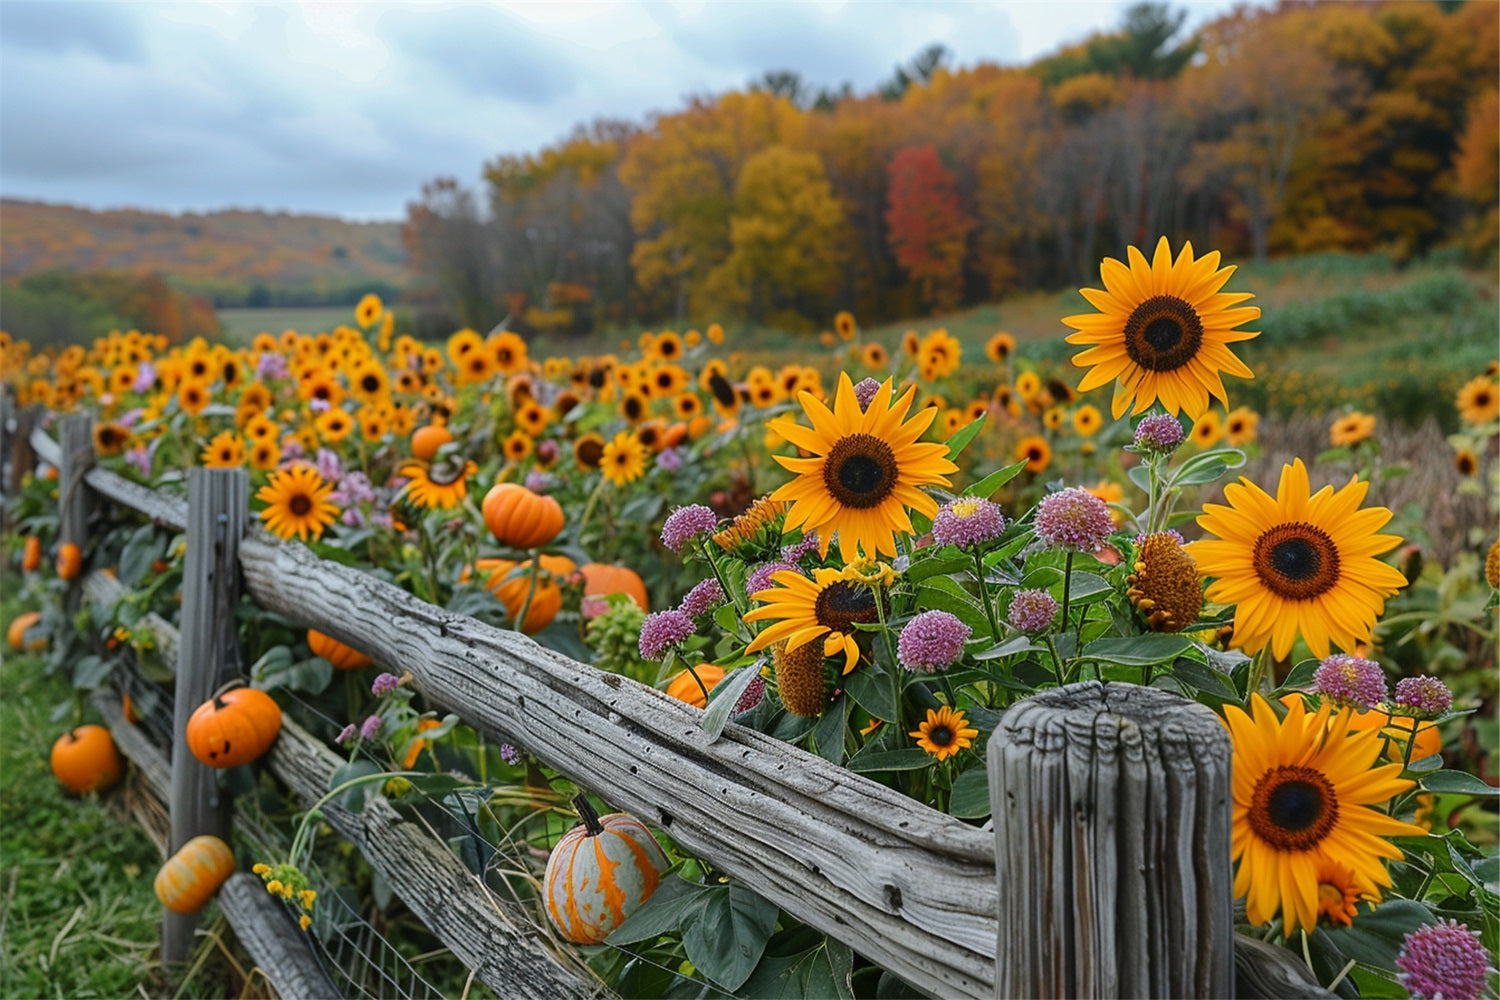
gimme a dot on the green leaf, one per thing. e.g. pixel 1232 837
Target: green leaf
pixel 946 594
pixel 909 759
pixel 1196 675
pixel 1138 650
pixel 824 971
pixel 726 934
pixel 1300 676
pixel 1376 938
pixel 828 737
pixel 938 565
pixel 271 671
pixel 1141 476
pixel 1010 647
pixel 143 549
pixel 353 799
pixel 987 486
pixel 871 689
pixel 723 698
pixel 971 794
pixel 1458 783
pixel 90 671
pixel 960 440
pixel 660 914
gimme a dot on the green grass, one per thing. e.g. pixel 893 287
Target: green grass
pixel 241 325
pixel 78 917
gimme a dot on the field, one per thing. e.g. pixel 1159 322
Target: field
pixel 548 489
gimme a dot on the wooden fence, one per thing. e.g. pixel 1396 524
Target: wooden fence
pixel 1111 808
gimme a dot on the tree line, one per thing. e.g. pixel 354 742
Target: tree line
pixel 1303 127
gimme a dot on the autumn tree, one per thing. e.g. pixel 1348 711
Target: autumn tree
pixel 927 231
pixel 452 251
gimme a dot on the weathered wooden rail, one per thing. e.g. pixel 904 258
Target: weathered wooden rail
pixel 911 888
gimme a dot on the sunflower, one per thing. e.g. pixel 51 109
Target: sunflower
pixel 1087 420
pixel 867 469
pixel 623 459
pixel 634 407
pixel 826 607
pixel 999 347
pixel 687 406
pixel 370 382
pixel 297 503
pixel 1054 418
pixel 844 325
pixel 1028 385
pixel 1208 429
pixel 1466 462
pixel 516 446
pixel 532 417
pixel 746 527
pixel 588 451
pixel 1035 450
pixel 1338 892
pixel 1240 425
pixel 265 453
pixel 225 451
pixel 1162 331
pixel 1351 429
pixel 668 346
pixel 1301 563
pixel 1479 401
pixel 335 425
pixel 193 396
pixel 1166 587
pixel 714 333
pixel 945 732
pixel 874 356
pixel 938 355
pixel 440 485
pixel 110 439
pixel 1304 790
pixel 368 311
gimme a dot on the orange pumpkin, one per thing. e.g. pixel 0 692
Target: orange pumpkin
pixel 427 440
pixel 16 634
pixel 191 876
pixel 233 728
pixel 85 759
pixel 1398 731
pixel 127 709
pixel 512 588
pixel 520 518
pixel 341 656
pixel 684 688
pixel 69 560
pixel 599 873
pixel 410 760
pixel 31 554
pixel 602 579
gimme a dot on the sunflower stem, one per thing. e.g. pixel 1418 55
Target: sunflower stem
pixel 1067 587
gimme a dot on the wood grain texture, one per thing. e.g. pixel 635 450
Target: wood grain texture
pixel 1112 825
pixel 75 455
pixel 207 656
pixel 1265 972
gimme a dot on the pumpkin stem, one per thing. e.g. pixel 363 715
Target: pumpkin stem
pixel 224 689
pixel 587 814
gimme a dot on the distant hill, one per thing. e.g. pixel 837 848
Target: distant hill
pixel 235 257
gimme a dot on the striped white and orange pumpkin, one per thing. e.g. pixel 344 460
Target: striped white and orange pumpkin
pixel 599 873
pixel 191 876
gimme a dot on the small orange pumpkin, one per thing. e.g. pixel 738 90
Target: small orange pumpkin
pixel 599 873
pixel 341 656
pixel 410 760
pixel 190 877
pixel 604 579
pixel 520 518
pixel 512 589
pixel 684 688
pixel 426 441
pixel 233 728
pixel 16 634
pixel 31 554
pixel 85 759
pixel 69 560
pixel 127 709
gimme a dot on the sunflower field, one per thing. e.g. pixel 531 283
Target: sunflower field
pixel 871 551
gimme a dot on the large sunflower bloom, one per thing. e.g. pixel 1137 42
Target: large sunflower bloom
pixel 1300 563
pixel 1304 788
pixel 1479 401
pixel 441 485
pixel 867 469
pixel 623 459
pixel 297 503
pixel 827 606
pixel 1162 331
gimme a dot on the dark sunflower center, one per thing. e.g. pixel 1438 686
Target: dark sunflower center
pixel 940 736
pixel 1296 560
pixel 841 604
pixel 860 471
pixel 632 408
pixel 300 505
pixel 1163 333
pixel 370 383
pixel 589 453
pixel 1293 808
pixel 596 378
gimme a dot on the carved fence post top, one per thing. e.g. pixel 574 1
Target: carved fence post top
pixel 1131 710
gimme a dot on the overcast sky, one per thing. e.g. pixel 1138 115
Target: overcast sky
pixel 346 108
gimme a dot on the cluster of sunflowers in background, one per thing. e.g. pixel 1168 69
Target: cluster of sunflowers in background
pixel 876 567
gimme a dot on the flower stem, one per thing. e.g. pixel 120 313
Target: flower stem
pixel 984 594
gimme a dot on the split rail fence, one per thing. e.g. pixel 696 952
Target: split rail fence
pixel 1106 872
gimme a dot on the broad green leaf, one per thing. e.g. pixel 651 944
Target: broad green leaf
pixel 353 799
pixel 1196 675
pixel 1010 647
pixel 90 671
pixel 725 695
pixel 824 971
pixel 143 549
pixel 662 913
pixel 872 690
pixel 1458 783
pixel 1376 938
pixel 910 759
pixel 938 565
pixel 828 737
pixel 971 794
pixel 725 935
pixel 987 486
pixel 1138 650
pixel 960 440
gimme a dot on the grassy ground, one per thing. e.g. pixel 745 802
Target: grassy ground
pixel 78 917
pixel 241 325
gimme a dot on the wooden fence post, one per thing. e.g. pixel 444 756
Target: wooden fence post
pixel 20 459
pixel 1112 826
pixel 207 655
pixel 74 500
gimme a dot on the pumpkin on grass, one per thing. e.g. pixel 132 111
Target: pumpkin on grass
pixel 233 728
pixel 341 656
pixel 520 518
pixel 84 759
pixel 190 877
pixel 599 873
